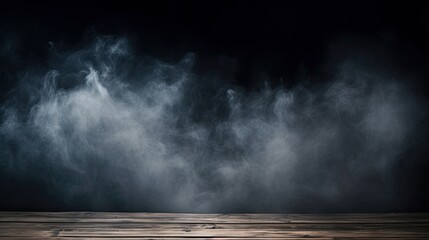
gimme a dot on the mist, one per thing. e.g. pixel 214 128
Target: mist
pixel 103 128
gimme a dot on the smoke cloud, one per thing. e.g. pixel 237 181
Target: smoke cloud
pixel 104 129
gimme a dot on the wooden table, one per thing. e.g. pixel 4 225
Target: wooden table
pixel 114 225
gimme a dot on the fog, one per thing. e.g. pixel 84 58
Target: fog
pixel 103 128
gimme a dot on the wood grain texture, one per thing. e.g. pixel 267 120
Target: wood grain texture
pixel 178 226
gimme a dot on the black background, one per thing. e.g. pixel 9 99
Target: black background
pixel 281 38
pixel 288 41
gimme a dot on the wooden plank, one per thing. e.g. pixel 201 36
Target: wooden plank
pixel 143 238
pixel 289 226
pixel 105 225
pixel 151 238
pixel 207 233
pixel 92 217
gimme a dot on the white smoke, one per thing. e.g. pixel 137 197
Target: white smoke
pixel 107 130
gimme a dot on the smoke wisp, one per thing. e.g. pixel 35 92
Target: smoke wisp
pixel 104 129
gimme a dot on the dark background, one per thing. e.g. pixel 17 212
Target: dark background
pixel 287 41
pixel 284 39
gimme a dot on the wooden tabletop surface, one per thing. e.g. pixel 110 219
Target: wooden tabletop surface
pixel 115 225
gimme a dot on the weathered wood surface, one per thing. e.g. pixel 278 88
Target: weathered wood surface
pixel 172 226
